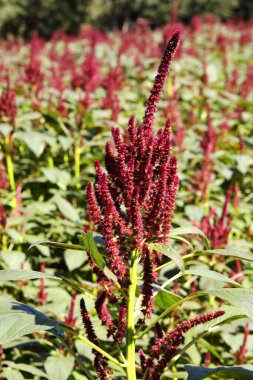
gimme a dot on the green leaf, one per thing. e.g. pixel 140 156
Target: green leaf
pixel 88 242
pixel 165 299
pixel 167 250
pixel 212 275
pixel 5 129
pixel 11 374
pixel 22 274
pixel 34 140
pixel 241 298
pixel 78 376
pixel 13 259
pixel 74 259
pixel 194 212
pixel 181 239
pixel 59 367
pixel 57 176
pixel 17 320
pixel 28 368
pixel 67 209
pixel 29 116
pixel 55 244
pixel 231 253
pixel 189 230
pixel 108 273
pixel 233 372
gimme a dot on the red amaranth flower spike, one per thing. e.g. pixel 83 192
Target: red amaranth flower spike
pixel 42 294
pixel 147 290
pixel 165 348
pixel 8 107
pixel 121 331
pixel 240 355
pixel 102 310
pixel 218 230
pixel 143 360
pixel 159 83
pixel 71 319
pixel 134 202
pixel 4 183
pixel 3 216
pixel 100 362
pixel 87 323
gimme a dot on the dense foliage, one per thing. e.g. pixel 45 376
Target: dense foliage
pixel 58 103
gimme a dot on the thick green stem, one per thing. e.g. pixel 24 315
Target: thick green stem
pixel 140 334
pixel 50 162
pixel 101 351
pixel 10 171
pixel 77 165
pixel 130 337
pixel 11 177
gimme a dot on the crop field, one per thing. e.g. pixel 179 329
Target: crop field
pixel 61 102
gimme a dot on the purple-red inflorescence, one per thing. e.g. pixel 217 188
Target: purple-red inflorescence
pixel 204 176
pixel 165 348
pixel 42 294
pixel 102 310
pixel 240 355
pixel 100 362
pixel 218 230
pixel 121 330
pixel 8 107
pixel 134 202
pixel 71 319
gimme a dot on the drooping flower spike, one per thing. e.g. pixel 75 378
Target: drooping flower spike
pixel 165 348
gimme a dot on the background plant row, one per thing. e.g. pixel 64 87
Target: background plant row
pixel 59 100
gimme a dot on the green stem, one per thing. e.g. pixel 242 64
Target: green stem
pixel 10 171
pixel 185 257
pixel 121 353
pixel 161 316
pixel 4 242
pixel 172 279
pixel 76 357
pixel 101 351
pixel 118 286
pixel 50 162
pixel 130 335
pixel 77 165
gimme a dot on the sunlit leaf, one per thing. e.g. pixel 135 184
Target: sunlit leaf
pixel 190 230
pixel 165 299
pixel 232 373
pixel 241 298
pixel 17 319
pixel 67 209
pixel 88 242
pixel 230 253
pixel 23 274
pixel 59 367
pixel 211 274
pixel 167 250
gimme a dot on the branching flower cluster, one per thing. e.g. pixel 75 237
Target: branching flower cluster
pixel 134 202
pixel 132 205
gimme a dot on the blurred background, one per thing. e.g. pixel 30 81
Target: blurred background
pixel 25 17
